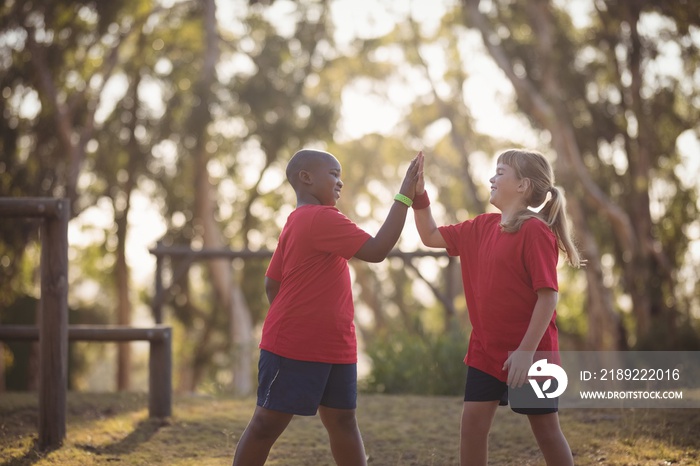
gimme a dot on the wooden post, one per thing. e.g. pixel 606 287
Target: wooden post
pixel 159 296
pixel 160 376
pixel 53 327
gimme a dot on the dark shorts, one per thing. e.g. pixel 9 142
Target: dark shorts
pixel 299 387
pixel 481 386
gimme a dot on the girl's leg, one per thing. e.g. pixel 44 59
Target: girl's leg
pixel 477 417
pixel 257 439
pixel 344 435
pixel 550 439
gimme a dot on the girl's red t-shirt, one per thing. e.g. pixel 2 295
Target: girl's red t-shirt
pixel 312 316
pixel 501 273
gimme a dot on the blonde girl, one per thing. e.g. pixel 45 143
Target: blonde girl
pixel 508 263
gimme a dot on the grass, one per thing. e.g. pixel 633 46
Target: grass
pixel 114 429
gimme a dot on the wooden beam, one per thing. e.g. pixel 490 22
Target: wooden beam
pixel 46 207
pixel 160 372
pixel 202 254
pixel 89 333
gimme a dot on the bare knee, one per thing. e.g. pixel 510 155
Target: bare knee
pixel 333 419
pixel 545 426
pixel 551 440
pixel 267 424
pixel 477 417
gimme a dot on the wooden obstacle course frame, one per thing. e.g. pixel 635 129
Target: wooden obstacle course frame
pixel 159 356
pixel 53 318
pixel 53 331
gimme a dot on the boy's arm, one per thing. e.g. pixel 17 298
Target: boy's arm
pixel 377 248
pixel 272 287
pixel 519 361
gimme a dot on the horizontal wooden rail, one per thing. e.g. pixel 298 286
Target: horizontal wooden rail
pixel 201 254
pixel 159 358
pixel 47 207
pixel 90 333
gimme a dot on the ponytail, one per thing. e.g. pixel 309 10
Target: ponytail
pixel 545 201
pixel 554 215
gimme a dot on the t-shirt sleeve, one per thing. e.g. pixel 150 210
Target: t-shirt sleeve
pixel 333 232
pixel 274 270
pixel 455 235
pixel 541 255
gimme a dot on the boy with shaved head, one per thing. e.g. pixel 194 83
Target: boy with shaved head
pixel 308 351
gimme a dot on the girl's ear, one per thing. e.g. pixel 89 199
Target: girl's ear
pixel 305 177
pixel 525 185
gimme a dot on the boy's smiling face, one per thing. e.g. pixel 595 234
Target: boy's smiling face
pixel 315 177
pixel 325 180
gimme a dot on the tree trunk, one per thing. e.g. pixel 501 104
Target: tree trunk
pixel 605 331
pixel 228 297
pixel 650 269
pixel 370 295
pixel 242 342
pixel 546 108
pixel 123 303
pixel 73 139
pixel 121 215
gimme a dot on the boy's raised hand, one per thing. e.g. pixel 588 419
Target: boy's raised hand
pixel 413 174
pixel 377 248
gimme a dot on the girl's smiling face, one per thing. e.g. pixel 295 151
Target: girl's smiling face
pixel 506 187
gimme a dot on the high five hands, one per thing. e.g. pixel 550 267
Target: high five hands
pixel 414 177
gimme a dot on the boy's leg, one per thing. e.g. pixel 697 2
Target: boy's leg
pixel 344 435
pixel 477 417
pixel 337 411
pixel 257 439
pixel 550 439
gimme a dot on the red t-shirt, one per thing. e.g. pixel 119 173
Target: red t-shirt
pixel 312 316
pixel 502 273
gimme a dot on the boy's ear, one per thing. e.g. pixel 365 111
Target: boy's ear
pixel 304 177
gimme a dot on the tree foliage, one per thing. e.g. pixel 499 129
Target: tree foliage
pixel 197 108
pixel 614 113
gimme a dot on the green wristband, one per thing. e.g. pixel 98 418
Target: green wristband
pixel 404 199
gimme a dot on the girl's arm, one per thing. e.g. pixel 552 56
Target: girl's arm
pixel 427 228
pixel 425 223
pixel 519 362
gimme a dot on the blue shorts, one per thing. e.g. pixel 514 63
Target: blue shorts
pixel 299 387
pixel 481 386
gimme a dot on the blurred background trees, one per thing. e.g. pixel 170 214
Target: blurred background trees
pixel 172 121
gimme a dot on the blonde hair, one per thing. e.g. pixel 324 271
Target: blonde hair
pixel 535 167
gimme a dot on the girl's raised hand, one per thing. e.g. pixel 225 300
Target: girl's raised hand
pixel 408 187
pixel 420 184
